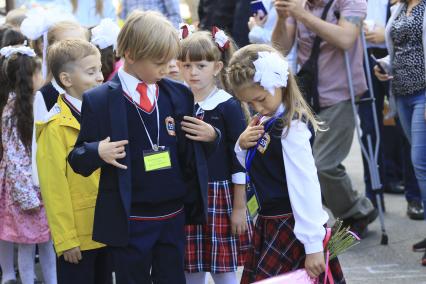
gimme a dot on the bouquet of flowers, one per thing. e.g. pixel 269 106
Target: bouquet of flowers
pixel 338 239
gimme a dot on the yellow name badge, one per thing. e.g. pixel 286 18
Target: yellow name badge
pixel 157 160
pixel 253 206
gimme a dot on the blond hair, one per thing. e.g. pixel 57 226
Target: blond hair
pixel 15 17
pixel 240 74
pixel 60 27
pixel 148 35
pixel 63 54
pixel 99 6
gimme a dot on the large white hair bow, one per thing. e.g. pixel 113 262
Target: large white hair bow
pixel 38 22
pixel 8 51
pixel 105 34
pixel 271 71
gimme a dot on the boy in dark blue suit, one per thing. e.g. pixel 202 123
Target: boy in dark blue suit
pixel 152 176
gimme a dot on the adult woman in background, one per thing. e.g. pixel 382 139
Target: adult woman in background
pixel 406 43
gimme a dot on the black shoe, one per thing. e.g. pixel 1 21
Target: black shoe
pixel 424 259
pixel 360 226
pixel 394 187
pixel 11 282
pixel 420 246
pixel 415 210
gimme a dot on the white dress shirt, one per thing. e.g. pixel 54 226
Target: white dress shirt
pixel 303 185
pixel 129 83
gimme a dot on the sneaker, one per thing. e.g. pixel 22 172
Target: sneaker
pixel 420 246
pixel 415 210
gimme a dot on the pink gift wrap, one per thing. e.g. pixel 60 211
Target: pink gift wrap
pixel 299 276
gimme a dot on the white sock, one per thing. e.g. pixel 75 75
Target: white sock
pixel 224 278
pixel 6 261
pixel 48 262
pixel 196 278
pixel 26 255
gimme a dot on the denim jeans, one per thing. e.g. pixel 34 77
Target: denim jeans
pixel 411 111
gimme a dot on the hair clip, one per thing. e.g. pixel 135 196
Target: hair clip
pixel 185 30
pixel 271 71
pixel 8 51
pixel 105 34
pixel 220 38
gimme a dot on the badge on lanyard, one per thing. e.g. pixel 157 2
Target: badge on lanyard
pixel 155 160
pixel 253 206
pixel 264 143
pixel 170 126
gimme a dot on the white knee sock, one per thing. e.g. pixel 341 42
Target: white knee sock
pixel 6 261
pixel 26 255
pixel 196 278
pixel 225 278
pixel 48 262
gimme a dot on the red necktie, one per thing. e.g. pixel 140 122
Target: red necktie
pixel 144 101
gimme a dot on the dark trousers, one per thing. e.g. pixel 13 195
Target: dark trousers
pixel 155 253
pixel 365 113
pixel 397 162
pixel 94 268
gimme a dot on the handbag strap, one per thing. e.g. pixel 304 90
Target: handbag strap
pixel 317 40
pixel 327 275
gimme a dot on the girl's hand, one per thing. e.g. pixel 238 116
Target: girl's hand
pixel 381 76
pixel 198 130
pixel 110 152
pixel 315 264
pixel 251 135
pixel 239 221
pixel 73 255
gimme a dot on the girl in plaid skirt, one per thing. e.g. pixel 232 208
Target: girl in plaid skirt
pixel 220 245
pixel 282 178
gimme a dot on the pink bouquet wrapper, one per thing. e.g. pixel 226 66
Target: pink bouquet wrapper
pixel 299 276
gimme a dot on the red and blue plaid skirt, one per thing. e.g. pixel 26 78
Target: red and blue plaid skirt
pixel 276 250
pixel 212 247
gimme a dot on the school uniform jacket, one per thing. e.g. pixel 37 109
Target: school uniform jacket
pixel 104 115
pixel 69 198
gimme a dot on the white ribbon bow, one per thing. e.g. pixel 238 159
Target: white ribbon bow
pixel 271 71
pixel 105 34
pixel 221 39
pixel 8 51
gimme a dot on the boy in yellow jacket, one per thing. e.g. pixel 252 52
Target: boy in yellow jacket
pixel 70 198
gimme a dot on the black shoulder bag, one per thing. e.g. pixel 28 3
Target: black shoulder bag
pixel 307 77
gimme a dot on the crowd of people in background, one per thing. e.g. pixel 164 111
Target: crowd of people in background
pixel 140 144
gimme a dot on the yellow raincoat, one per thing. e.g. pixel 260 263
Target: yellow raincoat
pixel 69 198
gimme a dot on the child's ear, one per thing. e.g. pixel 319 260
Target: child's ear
pixel 128 58
pixel 218 65
pixel 65 79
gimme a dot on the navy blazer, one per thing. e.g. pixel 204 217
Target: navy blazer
pixel 104 115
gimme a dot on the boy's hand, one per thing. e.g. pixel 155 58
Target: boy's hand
pixel 252 133
pixel 73 255
pixel 315 264
pixel 198 130
pixel 110 152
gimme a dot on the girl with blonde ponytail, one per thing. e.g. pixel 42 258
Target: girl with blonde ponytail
pixel 283 186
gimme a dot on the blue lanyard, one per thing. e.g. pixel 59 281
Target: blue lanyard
pixel 252 151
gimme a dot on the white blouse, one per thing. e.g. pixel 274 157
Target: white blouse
pixel 303 186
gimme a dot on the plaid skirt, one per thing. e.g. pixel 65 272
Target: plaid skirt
pixel 275 250
pixel 212 247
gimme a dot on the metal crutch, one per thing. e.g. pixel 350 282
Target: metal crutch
pixel 370 154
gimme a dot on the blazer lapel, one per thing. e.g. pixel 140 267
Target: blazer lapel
pixel 119 131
